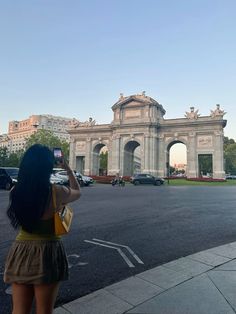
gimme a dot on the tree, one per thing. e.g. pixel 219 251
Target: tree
pixel 228 141
pixel 103 161
pixel 14 159
pixel 3 156
pixel 205 163
pixel 10 159
pixel 230 158
pixel 171 170
pixel 47 138
pixel 229 155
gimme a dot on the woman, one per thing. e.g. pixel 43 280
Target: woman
pixel 37 262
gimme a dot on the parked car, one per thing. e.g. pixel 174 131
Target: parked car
pixel 230 177
pixel 86 180
pixel 83 180
pixel 8 177
pixel 55 170
pixel 56 180
pixel 145 178
pixel 61 174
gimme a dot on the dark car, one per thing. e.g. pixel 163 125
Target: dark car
pixel 145 178
pixel 8 177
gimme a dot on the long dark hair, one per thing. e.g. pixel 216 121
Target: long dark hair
pixel 29 197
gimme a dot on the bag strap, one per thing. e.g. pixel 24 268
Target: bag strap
pixel 54 199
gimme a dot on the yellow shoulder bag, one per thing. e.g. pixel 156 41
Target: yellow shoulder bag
pixel 62 218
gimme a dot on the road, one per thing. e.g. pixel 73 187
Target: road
pixel 158 223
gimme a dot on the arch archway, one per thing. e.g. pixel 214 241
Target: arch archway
pixel 177 158
pixel 169 144
pixel 96 152
pixel 131 160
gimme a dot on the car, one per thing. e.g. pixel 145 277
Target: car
pixel 145 178
pixel 86 180
pixel 56 170
pixel 56 180
pixel 62 174
pixel 230 177
pixel 8 177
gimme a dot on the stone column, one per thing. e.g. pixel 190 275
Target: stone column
pixel 142 153
pixel 192 156
pixel 146 153
pixel 218 156
pixel 115 164
pixel 88 157
pixel 161 153
pixel 153 155
pixel 72 156
pixel 110 154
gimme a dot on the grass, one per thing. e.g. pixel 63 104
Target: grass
pixel 177 182
pixel 173 182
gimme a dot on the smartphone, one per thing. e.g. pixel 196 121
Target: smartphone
pixel 58 156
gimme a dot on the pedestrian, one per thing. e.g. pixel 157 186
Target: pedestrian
pixel 117 178
pixel 37 261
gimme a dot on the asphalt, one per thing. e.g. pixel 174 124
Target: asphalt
pixel 201 283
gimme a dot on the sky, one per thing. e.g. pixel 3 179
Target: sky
pixel 73 58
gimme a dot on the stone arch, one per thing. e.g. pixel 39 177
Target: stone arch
pixel 140 116
pixel 95 156
pixel 169 144
pixel 128 156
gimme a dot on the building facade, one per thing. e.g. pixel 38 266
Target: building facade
pixel 139 122
pixel 20 131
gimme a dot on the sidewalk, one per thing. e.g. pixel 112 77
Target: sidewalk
pixel 202 283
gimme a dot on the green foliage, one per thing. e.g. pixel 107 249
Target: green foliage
pixel 230 155
pixel 3 156
pixel 10 160
pixel 14 159
pixel 47 138
pixel 171 170
pixel 230 158
pixel 103 160
pixel 228 141
pixel 186 182
pixel 205 163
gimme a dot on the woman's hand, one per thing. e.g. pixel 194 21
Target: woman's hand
pixel 73 182
pixel 65 165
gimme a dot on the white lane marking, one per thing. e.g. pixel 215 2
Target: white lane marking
pixel 115 248
pixel 125 246
pixel 9 290
pixel 73 261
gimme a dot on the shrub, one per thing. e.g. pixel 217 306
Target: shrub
pixel 199 179
pixel 107 179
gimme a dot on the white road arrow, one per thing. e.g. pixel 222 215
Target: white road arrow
pixel 9 290
pixel 73 261
pixel 125 246
pixel 123 255
pixel 115 248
